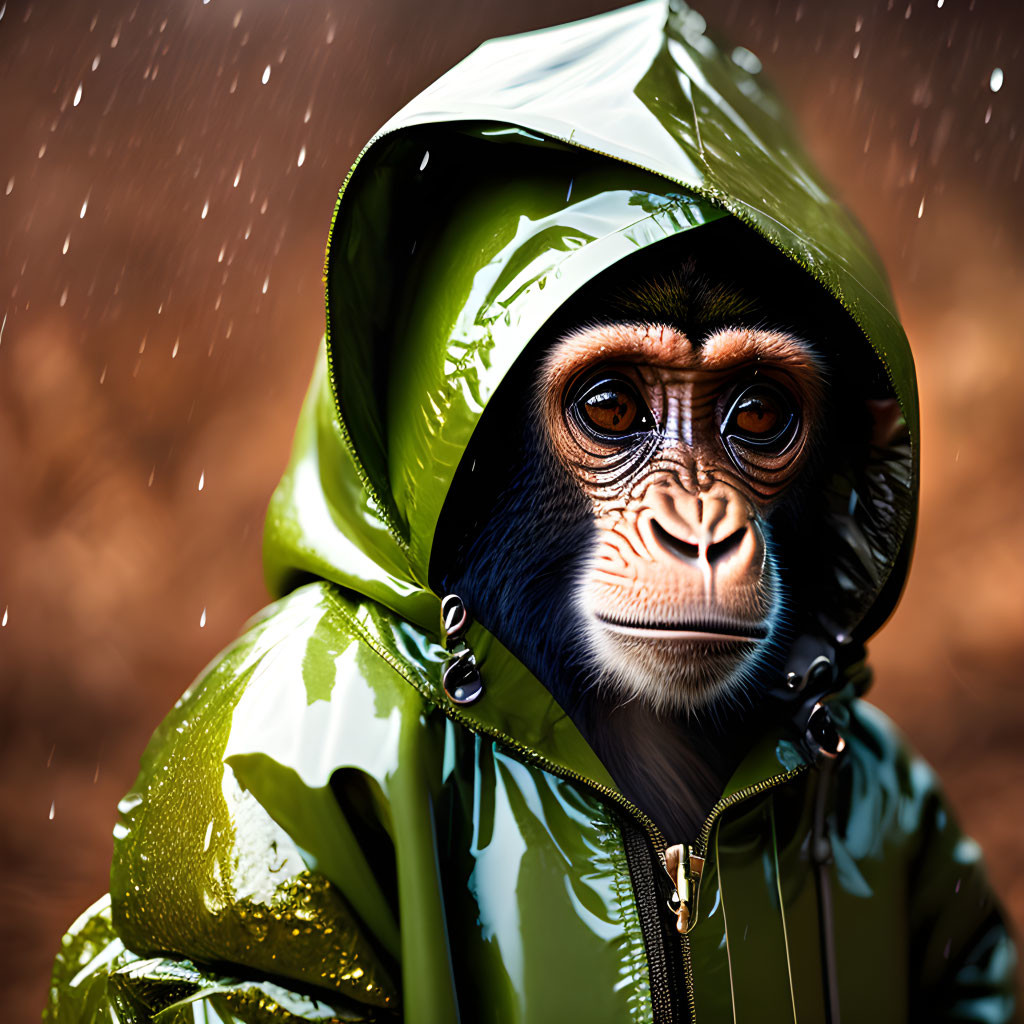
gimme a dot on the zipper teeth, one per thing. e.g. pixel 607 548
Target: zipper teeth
pixel 638 859
pixel 382 509
pixel 701 843
pixel 688 976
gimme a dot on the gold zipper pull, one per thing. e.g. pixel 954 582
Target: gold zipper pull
pixel 684 867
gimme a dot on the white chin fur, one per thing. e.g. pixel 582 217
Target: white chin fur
pixel 669 676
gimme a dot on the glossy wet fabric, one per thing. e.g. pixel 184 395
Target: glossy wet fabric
pixel 319 834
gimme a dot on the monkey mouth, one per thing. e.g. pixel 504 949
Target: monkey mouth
pixel 700 630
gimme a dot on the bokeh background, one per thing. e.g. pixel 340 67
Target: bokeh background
pixel 168 170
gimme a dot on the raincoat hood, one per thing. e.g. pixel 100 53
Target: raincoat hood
pixel 483 206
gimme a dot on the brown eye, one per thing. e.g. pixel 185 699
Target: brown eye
pixel 756 417
pixel 763 416
pixel 610 408
pixel 613 412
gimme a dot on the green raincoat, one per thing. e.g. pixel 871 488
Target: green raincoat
pixel 319 834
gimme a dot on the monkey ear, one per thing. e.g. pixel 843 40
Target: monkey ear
pixel 887 421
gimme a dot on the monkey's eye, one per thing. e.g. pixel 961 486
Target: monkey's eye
pixel 762 416
pixel 609 407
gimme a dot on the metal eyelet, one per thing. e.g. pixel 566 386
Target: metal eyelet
pixel 454 619
pixel 822 734
pixel 461 678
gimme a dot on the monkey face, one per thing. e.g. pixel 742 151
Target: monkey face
pixel 682 451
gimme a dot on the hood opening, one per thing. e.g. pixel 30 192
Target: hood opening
pixel 857 516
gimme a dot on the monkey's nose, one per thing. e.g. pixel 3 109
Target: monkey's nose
pixel 688 551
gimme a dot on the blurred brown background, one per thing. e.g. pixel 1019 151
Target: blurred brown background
pixel 167 174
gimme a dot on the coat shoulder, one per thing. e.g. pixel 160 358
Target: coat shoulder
pixel 245 837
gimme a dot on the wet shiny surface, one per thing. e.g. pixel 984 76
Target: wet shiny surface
pixel 898 108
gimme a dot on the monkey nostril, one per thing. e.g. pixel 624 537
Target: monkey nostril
pixel 723 548
pixel 680 548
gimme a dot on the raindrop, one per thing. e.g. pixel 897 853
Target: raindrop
pixel 96 62
pixel 67 243
pixel 302 156
pixel 152 477
pixel 330 35
pixel 64 299
pixel 859 25
pixel 308 114
pixel 938 3
pixel 238 176
pixel 42 150
pixel 3 621
pixel 426 157
pixel 920 209
pixel 49 759
pixel 248 232
pixel 103 375
pixel 96 774
pixel 237 18
pixel 988 114
pixel 85 206
pixel 10 187
pixel 220 255
pixel 266 284
pixel 2 10
pixel 856 50
pixel 205 2
pixel 266 74
pixel 202 479
pixel 202 620
pixel 52 802
pixel 78 96
pixel 209 836
pixel 206 210
pixel 174 351
pixel 117 36
pixel 263 206
pixel 995 80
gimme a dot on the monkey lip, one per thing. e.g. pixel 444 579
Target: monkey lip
pixel 710 630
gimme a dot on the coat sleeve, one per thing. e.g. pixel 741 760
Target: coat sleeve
pixel 963 957
pixel 274 838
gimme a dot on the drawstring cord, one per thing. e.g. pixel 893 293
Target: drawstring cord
pixel 821 857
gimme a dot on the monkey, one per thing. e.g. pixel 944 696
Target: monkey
pixel 646 507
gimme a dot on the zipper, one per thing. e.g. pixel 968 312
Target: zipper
pixel 684 864
pixel 663 969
